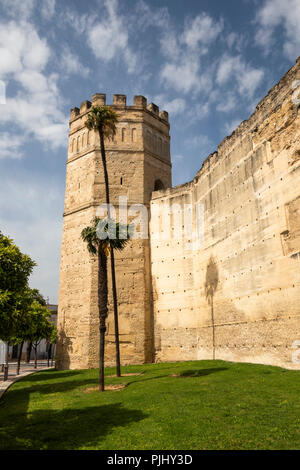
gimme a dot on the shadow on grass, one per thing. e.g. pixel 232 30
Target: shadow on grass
pixel 70 428
pixel 52 387
pixel 201 372
pixel 138 380
pixel 49 374
pixel 49 384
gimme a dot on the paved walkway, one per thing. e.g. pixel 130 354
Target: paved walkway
pixel 25 369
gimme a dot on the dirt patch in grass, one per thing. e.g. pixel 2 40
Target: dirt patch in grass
pixel 114 387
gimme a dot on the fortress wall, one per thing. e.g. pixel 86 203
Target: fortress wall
pixel 237 296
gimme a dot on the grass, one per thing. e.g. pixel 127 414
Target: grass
pixel 189 405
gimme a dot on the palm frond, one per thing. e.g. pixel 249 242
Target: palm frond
pixel 102 117
pixel 88 234
pixel 116 235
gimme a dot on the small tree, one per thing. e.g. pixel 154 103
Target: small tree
pixel 101 246
pixel 51 342
pixel 24 318
pixel 40 326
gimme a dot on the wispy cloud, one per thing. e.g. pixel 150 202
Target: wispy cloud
pixel 174 107
pixel 275 14
pixel 109 37
pixel 71 63
pixel 24 9
pixel 235 68
pixel 10 145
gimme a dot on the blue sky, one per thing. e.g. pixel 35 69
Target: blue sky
pixel 208 63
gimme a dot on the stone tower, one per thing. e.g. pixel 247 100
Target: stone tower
pixel 138 161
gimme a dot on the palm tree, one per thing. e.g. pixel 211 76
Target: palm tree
pixel 103 119
pixel 101 246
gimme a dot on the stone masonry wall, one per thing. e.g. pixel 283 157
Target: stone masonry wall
pixel 237 297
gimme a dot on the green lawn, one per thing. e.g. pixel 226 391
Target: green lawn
pixel 211 405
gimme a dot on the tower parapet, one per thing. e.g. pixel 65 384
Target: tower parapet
pixel 99 99
pixel 119 101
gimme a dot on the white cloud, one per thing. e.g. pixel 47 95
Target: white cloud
pixel 186 76
pixel 18 8
pixel 169 45
pixel 201 30
pixel 151 17
pixel 247 77
pixel 23 9
pixel 36 107
pixel 109 37
pixel 71 64
pixel 173 107
pixel 182 76
pixel 10 145
pixel 284 14
pixel 184 70
pixel 79 22
pixel 47 8
pixel 227 103
pixel 235 41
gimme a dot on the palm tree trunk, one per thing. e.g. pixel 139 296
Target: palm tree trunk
pixel 112 259
pixel 116 319
pixel 102 306
pixel 20 357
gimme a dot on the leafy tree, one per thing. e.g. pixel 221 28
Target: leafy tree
pixel 98 245
pixel 39 326
pixel 103 119
pixel 24 318
pixel 35 295
pixel 15 269
pixel 51 341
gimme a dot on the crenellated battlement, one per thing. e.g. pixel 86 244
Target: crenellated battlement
pixel 119 102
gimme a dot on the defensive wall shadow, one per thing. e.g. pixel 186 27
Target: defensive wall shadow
pixel 63 428
pixel 54 387
pixel 70 428
pixel 49 374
